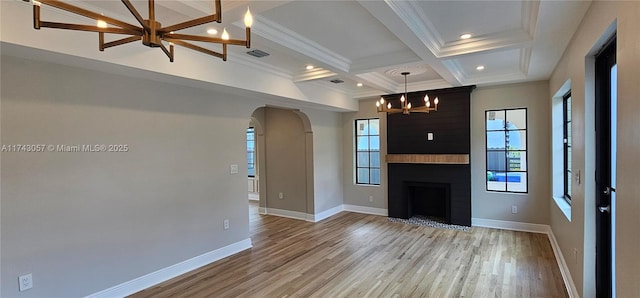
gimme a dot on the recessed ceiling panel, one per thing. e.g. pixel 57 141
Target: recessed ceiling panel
pixel 499 62
pixel 479 18
pixel 343 27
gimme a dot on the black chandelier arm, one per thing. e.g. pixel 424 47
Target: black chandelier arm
pixel 136 14
pixel 89 14
pixel 42 24
pixel 185 44
pixel 118 42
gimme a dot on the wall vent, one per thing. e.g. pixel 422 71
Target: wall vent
pixel 336 81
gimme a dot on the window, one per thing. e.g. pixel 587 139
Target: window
pixel 506 139
pixel 566 139
pixel 368 151
pixel 251 152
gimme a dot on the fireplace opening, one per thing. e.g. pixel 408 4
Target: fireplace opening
pixel 432 200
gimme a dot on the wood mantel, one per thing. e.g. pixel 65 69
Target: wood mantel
pixel 451 159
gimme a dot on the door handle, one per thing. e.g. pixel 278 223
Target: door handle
pixel 607 190
pixel 604 209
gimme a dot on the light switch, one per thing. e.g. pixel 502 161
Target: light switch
pixel 430 136
pixel 233 169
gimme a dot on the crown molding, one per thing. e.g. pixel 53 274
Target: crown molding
pixel 525 60
pixel 456 70
pixel 415 18
pixel 372 63
pixel 294 41
pixel 417 21
pixel 253 62
pixel 315 74
pixel 379 81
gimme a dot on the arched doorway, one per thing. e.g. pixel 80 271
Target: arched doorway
pixel 283 158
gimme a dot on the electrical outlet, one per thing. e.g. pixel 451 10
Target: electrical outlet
pixel 225 224
pixel 280 196
pixel 233 169
pixel 430 136
pixel 25 282
pixel 575 256
pixel 370 198
pixel 514 209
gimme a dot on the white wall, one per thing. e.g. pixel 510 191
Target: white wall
pixel 533 205
pixel 577 65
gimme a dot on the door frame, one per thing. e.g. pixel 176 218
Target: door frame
pixel 605 60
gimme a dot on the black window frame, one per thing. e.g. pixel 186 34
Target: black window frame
pixel 567 144
pixel 506 150
pixel 369 167
pixel 251 164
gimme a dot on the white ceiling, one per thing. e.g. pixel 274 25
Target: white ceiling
pixel 373 41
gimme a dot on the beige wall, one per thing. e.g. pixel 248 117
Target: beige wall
pixel 84 222
pixel 327 159
pixel 532 206
pixel 357 194
pixel 286 168
pixel 577 65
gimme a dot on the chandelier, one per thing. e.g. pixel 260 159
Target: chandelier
pixel 405 105
pixel 150 31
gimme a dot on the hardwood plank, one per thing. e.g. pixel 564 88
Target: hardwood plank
pixel 358 255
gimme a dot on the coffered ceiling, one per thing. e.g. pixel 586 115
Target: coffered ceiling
pixel 373 41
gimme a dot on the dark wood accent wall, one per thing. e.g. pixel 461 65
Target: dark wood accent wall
pixel 451 128
pixel 450 125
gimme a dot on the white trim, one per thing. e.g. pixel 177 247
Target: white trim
pixel 562 264
pixel 287 213
pixel 154 278
pixel 509 225
pixel 327 213
pixel 564 207
pixel 366 210
pixel 262 210
pixel 534 228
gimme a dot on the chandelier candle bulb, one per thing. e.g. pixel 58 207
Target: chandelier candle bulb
pixel 389 105
pixel 225 34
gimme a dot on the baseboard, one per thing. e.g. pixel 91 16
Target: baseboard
pixel 366 210
pixel 562 264
pixel 327 213
pixel 509 225
pixel 288 214
pixel 154 278
pixel 534 228
pixel 262 210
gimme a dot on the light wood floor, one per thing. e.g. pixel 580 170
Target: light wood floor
pixel 354 255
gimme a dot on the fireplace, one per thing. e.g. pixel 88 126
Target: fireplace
pixel 428 158
pixel 409 184
pixel 429 199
